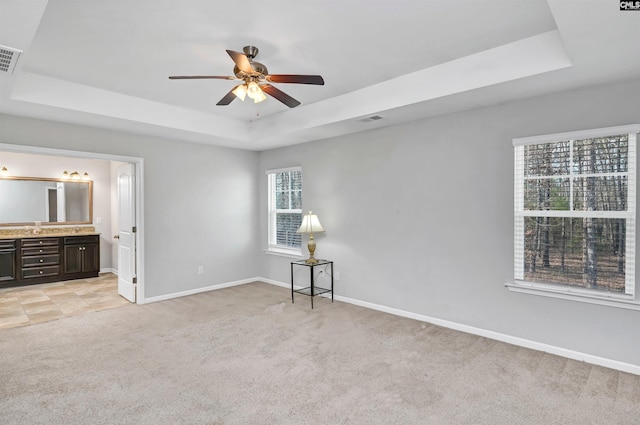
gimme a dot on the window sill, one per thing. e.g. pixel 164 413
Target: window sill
pixel 574 294
pixel 284 253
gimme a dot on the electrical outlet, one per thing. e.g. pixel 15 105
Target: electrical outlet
pixel 337 275
pixel 200 270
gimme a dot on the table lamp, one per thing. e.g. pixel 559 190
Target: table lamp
pixel 310 224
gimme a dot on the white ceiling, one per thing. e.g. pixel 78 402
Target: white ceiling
pixel 106 63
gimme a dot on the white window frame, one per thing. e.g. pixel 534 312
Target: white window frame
pixel 272 246
pixel 629 300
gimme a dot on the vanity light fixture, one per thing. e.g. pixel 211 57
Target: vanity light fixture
pixel 4 172
pixel 75 176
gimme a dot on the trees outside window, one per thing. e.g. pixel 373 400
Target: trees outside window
pixel 575 211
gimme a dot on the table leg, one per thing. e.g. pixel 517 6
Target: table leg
pixel 332 281
pixel 291 283
pixel 312 294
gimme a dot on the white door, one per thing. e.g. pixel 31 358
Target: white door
pixel 126 233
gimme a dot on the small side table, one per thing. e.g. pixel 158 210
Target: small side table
pixel 312 290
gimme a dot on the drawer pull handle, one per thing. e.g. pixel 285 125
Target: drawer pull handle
pixel 40 242
pixel 41 260
pixel 41 271
pixel 40 250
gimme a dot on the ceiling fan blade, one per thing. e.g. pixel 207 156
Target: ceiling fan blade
pixel 242 62
pixel 297 79
pixel 199 77
pixel 227 99
pixel 280 95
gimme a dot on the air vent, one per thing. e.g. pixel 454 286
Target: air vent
pixel 371 118
pixel 8 59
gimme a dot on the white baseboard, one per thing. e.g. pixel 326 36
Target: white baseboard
pixel 109 270
pixel 521 342
pixel 273 282
pixel 203 289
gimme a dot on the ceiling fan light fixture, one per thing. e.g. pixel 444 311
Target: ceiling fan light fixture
pixel 259 97
pixel 240 91
pixel 252 89
pixel 255 80
pixel 255 92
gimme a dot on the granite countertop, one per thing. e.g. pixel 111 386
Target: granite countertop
pixel 29 232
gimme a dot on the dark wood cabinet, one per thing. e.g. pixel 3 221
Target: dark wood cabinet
pixel 81 256
pixel 43 259
pixel 7 261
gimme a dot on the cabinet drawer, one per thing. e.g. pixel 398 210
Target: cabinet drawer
pixel 42 250
pixel 40 272
pixel 7 244
pixel 41 260
pixel 74 240
pixel 28 242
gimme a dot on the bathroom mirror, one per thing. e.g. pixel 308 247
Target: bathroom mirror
pixel 27 200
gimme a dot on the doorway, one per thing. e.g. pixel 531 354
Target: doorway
pixel 104 224
pixel 52 204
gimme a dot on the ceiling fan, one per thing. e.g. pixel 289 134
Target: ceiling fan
pixel 255 79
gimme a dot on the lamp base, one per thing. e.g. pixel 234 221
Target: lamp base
pixel 312 249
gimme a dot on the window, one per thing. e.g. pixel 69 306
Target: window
pixel 285 210
pixel 575 213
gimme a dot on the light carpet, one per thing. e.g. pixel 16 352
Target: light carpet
pixel 246 355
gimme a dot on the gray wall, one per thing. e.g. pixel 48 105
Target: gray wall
pixel 200 201
pixel 419 217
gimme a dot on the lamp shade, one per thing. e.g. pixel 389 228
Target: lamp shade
pixel 259 97
pixel 310 224
pixel 240 91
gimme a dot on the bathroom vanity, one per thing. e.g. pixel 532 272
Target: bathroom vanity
pixel 45 230
pixel 34 259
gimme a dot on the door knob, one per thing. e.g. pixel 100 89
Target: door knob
pixel 116 236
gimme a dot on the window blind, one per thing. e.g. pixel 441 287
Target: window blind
pixel 574 210
pixel 285 209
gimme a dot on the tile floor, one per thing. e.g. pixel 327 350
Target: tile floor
pixel 32 304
